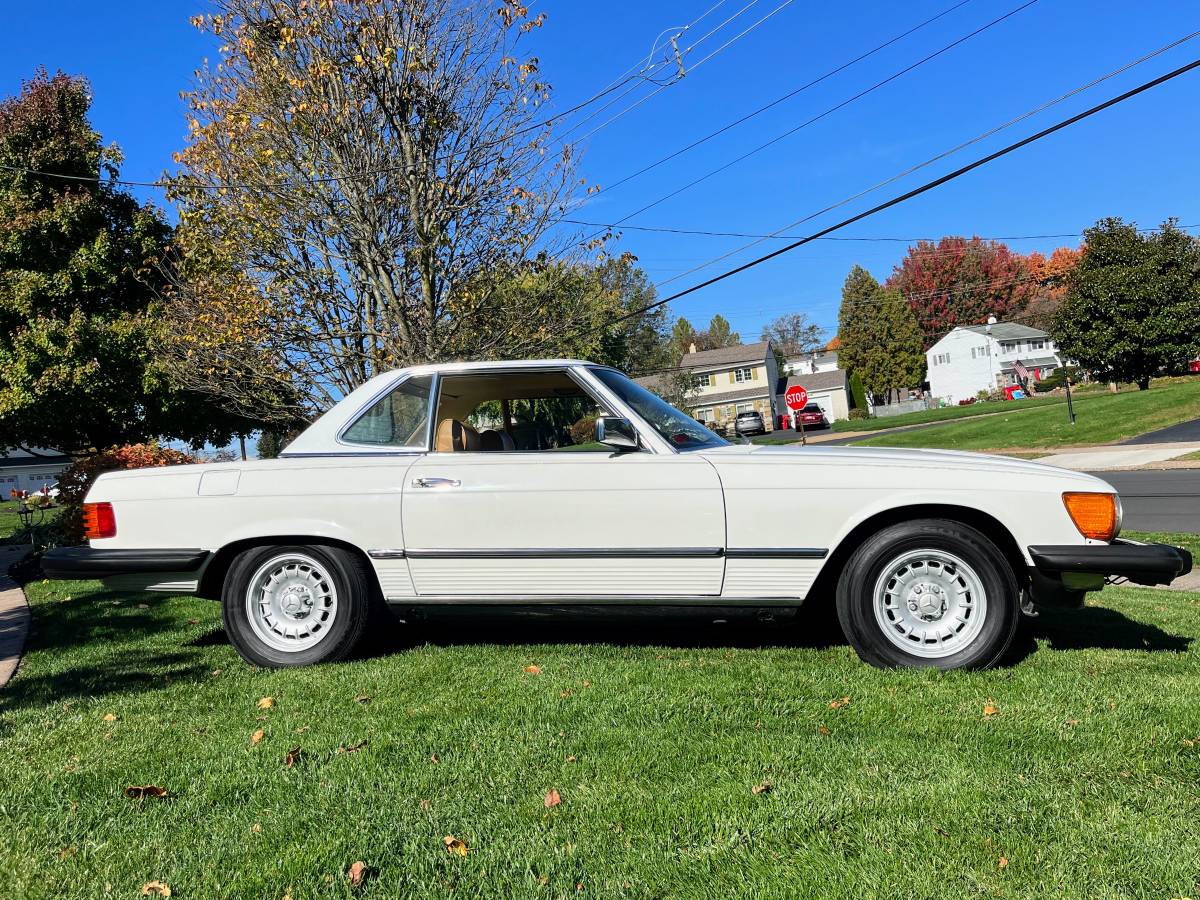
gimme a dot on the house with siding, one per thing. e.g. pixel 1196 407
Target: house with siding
pixel 976 358
pixel 730 380
pixel 24 471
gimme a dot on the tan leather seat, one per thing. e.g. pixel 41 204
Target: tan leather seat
pixel 454 436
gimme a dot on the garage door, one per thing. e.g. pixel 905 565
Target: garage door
pixel 826 404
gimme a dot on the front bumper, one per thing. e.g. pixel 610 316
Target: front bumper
pixel 83 563
pixel 1062 574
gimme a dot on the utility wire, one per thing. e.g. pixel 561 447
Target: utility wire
pixel 876 86
pixel 902 198
pixel 788 96
pixel 947 153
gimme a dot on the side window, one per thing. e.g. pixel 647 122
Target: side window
pixel 399 419
pixel 526 411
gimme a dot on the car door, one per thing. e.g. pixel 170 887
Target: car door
pixel 599 526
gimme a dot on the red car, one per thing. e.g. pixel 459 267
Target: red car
pixel 812 416
pixel 1194 367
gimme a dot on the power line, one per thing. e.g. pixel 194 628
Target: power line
pixel 663 87
pixel 897 240
pixel 947 153
pixel 804 87
pixel 876 86
pixel 902 198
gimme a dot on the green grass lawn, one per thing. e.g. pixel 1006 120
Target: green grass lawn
pixel 1083 783
pixel 10 522
pixel 1101 418
pixel 945 413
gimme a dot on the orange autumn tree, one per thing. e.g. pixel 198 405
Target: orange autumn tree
pixel 363 183
pixel 1051 275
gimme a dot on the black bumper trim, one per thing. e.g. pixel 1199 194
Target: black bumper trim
pixel 1140 563
pixel 81 563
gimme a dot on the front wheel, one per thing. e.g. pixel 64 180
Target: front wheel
pixel 296 605
pixel 932 593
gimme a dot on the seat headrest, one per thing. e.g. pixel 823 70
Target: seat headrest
pixel 455 436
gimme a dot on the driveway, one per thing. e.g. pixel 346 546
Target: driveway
pixel 1159 499
pixel 1183 432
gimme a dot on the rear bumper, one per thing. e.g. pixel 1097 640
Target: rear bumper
pixel 1140 563
pixel 81 563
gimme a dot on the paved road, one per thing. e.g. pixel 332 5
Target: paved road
pixel 1159 500
pixel 1183 432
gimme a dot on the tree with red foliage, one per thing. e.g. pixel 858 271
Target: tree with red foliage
pixel 962 281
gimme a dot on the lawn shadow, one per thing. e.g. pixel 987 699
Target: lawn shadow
pixel 1092 628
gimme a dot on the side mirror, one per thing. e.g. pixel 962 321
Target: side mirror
pixel 616 433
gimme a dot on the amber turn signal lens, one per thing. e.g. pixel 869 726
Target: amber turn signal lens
pixel 98 521
pixel 1095 515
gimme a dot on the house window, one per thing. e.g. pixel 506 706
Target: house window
pixel 705 380
pixel 740 375
pixel 1037 345
pixel 704 415
pixel 941 359
pixel 745 407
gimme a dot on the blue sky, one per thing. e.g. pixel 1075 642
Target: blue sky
pixel 1137 161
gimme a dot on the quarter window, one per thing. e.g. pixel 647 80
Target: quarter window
pixel 401 419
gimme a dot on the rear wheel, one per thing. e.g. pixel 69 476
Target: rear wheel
pixel 296 605
pixel 932 593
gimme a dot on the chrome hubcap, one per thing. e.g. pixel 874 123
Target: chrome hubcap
pixel 929 603
pixel 291 602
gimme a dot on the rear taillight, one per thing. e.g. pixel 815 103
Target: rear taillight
pixel 98 521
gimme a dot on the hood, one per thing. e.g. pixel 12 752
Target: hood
pixel 896 457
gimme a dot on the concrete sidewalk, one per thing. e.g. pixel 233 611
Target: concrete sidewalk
pixel 1099 459
pixel 14 614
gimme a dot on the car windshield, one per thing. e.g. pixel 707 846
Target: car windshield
pixel 681 430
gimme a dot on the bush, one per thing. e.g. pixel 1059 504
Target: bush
pixel 76 481
pixel 583 431
pixel 858 394
pixel 1058 379
pixel 859 413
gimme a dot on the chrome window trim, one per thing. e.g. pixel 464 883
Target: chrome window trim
pixel 375 398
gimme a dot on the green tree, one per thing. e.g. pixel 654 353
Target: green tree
pixel 683 335
pixel 881 340
pixel 719 334
pixel 1132 306
pixel 858 394
pixel 79 277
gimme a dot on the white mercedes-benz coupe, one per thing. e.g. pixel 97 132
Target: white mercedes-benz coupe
pixel 565 486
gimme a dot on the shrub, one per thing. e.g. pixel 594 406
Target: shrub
pixel 583 431
pixel 859 413
pixel 858 394
pixel 76 481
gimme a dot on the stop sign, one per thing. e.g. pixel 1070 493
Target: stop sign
pixel 796 397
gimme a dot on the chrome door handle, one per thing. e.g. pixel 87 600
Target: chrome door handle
pixel 436 483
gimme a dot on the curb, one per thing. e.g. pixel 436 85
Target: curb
pixel 14 615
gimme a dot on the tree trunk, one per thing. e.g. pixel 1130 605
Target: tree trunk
pixel 242 445
pixel 1143 384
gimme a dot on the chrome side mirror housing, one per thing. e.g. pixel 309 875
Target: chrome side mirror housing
pixel 617 433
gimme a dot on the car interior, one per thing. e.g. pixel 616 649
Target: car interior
pixel 515 411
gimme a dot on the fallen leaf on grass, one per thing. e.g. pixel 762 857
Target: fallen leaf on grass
pixel 836 704
pixel 1002 863
pixel 193 621
pixel 823 729
pixel 426 805
pixel 292 757
pixel 147 606
pixel 257 737
pixel 454 845
pixel 64 852
pixel 990 709
pixel 266 703
pixel 357 873
pixel 533 670
pixel 256 828
pixel 1071 723
pixel 764 787
pixel 587 684
pixel 109 717
pixel 434 758
pixel 353 748
pixel 942 831
pixel 362 698
pixel 149 790
pixel 570 759
pixel 552 798
pixel 158 888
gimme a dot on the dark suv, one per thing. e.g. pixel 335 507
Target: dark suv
pixel 749 423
